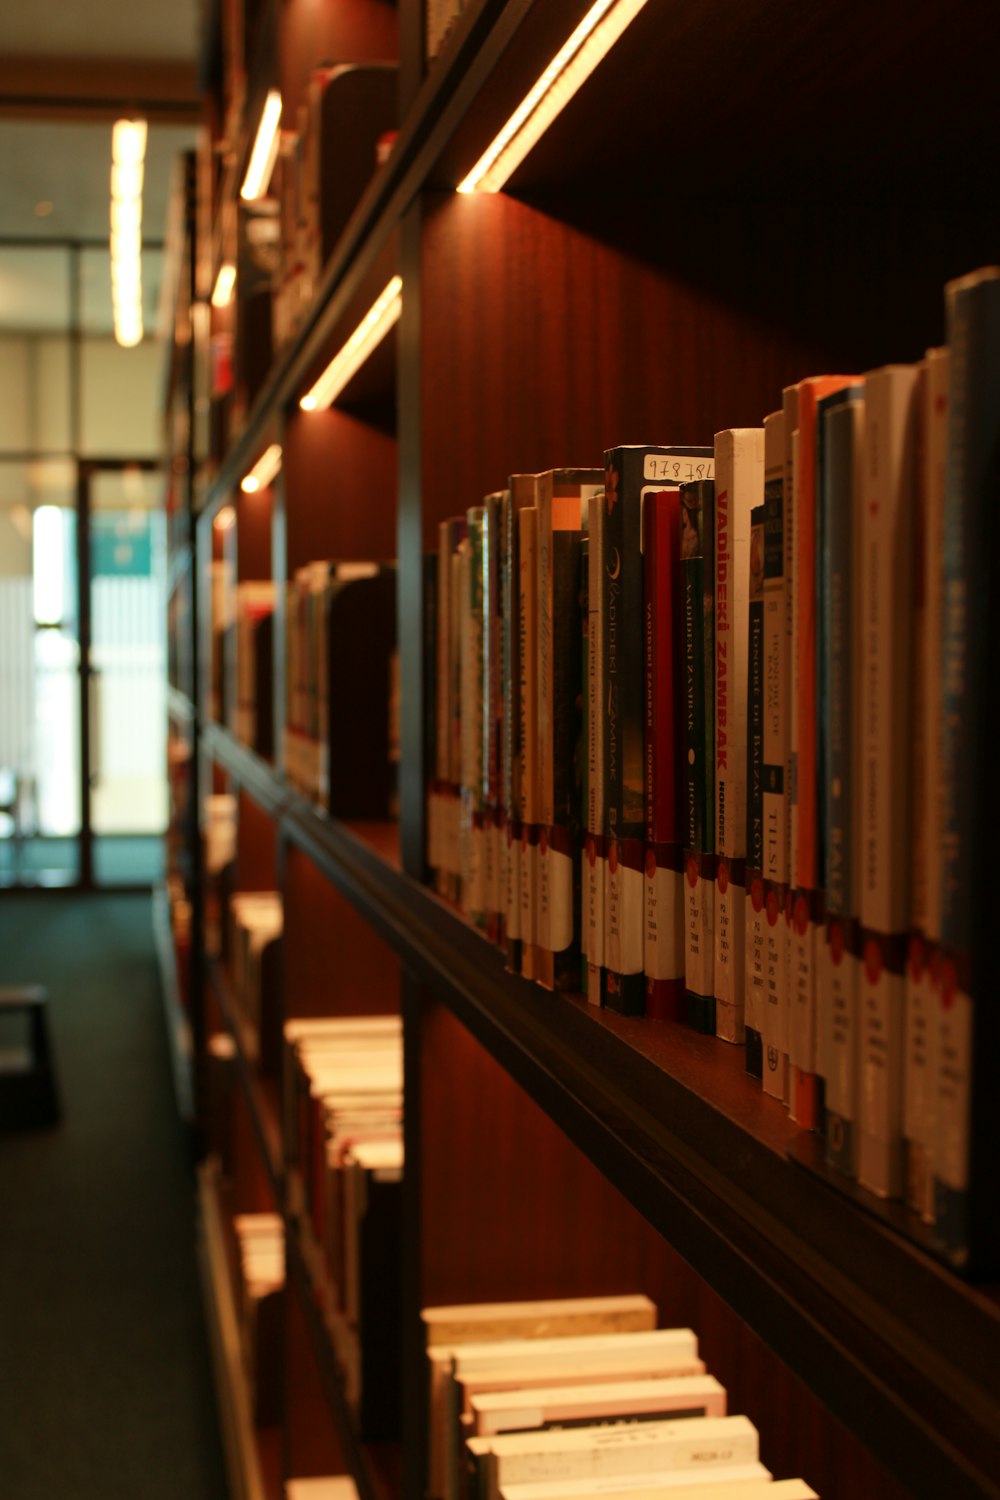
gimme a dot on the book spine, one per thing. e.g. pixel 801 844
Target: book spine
pixel 839 672
pixel 886 611
pixel 922 957
pixel 967 1211
pixel 594 860
pixel 739 486
pixel 755 989
pixel 511 673
pixel 774 1025
pixel 473 676
pixel 528 633
pixel 442 710
pixel 697 530
pixel 490 785
pixel 664 886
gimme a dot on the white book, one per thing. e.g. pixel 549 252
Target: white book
pixel 548 1317
pixel 742 1482
pixel 886 521
pixel 634 1448
pixel 325 1487
pixel 739 486
pixel 546 1406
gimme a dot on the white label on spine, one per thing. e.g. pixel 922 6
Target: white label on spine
pixel 543 866
pixel 774 1027
pixel 699 943
pixel 664 953
pixel 625 911
pixel 753 973
pixel 730 935
pixel 593 904
pixel 954 1042
pixel 513 873
pixel 802 1006
pixel 880 1012
pixel 560 900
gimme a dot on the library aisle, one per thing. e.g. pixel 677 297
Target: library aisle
pixel 104 1361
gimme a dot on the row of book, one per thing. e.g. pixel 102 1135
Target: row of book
pixel 577 1397
pixel 341 738
pixel 708 743
pixel 343 1111
pixel 260 1247
pixel 253 955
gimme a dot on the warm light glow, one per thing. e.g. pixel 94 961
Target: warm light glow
pixel 128 143
pixel 225 519
pixel 265 150
pixel 370 332
pixel 572 66
pixel 128 147
pixel 224 283
pixel 263 471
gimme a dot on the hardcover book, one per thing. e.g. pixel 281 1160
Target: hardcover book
pixel 697 573
pixel 519 493
pixel 473 715
pixel 777 644
pixel 739 487
pixel 594 862
pixel 530 817
pixel 755 945
pixel 664 927
pixel 630 473
pixel 967 1207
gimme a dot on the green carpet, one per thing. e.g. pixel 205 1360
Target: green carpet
pixel 105 1381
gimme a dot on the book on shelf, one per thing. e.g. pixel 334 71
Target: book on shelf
pixel 471 838
pixel 322 1487
pixel 742 1482
pixel 697 533
pixel 592 869
pixel 627 1448
pixel 776 725
pixel 922 967
pixel 494 851
pixel 562 497
pixel 967 1208
pixel 256 922
pixel 841 419
pixel 630 473
pixel 459 1371
pixel 520 491
pixel 755 935
pixel 260 1243
pixel 663 937
pixel 800 411
pixel 887 515
pixel 253 700
pixel 448 772
pixel 739 487
pixel 575 1405
pixel 527 523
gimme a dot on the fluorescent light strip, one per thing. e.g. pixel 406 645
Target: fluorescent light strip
pixel 128 148
pixel 224 283
pixel 569 69
pixel 263 471
pixel 370 332
pixel 265 149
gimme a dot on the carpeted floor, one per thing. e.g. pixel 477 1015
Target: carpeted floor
pixel 105 1382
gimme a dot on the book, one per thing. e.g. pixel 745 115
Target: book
pixel 887 512
pixel 739 487
pixel 967 1209
pixel 473 680
pixel 697 573
pixel 841 416
pixel 571 1405
pixel 594 861
pixel 493 879
pixel 920 1074
pixel 742 1482
pixel 630 473
pixel 530 816
pixel 692 1442
pixel 805 1102
pixel 777 649
pixel 663 938
pixel 322 1487
pixel 754 948
pixel 561 496
pixel 519 493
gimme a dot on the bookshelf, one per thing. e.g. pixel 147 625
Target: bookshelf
pixel 793 198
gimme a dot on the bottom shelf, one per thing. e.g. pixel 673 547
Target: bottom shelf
pixel 253 1455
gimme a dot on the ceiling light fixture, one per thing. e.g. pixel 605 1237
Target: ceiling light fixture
pixel 569 69
pixel 265 150
pixel 128 149
pixel 370 332
pixel 224 283
pixel 263 471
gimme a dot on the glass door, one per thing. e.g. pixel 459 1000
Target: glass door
pixel 125 710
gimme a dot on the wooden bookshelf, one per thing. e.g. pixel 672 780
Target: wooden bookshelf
pixel 784 190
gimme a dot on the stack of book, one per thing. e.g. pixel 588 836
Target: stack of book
pixel 260 1242
pixel 322 1487
pixel 579 1397
pixel 340 630
pixel 708 745
pixel 343 1100
pixel 255 924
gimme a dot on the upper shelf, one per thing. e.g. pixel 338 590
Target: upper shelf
pixel 899 1348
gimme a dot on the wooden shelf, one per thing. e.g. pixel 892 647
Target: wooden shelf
pixel 178 1025
pixel 261 1093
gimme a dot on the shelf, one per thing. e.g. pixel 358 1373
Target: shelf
pixel 179 705
pixel 261 1094
pixel 376 1467
pixel 178 1026
pixel 253 1460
